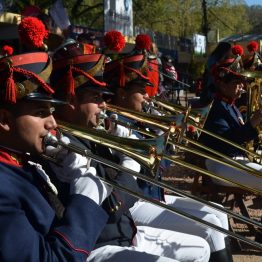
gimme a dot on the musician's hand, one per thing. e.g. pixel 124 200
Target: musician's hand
pixel 111 126
pixel 116 129
pixel 125 160
pixel 70 165
pixel 129 162
pixel 75 169
pixel 90 186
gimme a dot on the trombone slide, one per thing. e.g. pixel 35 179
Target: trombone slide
pixel 162 185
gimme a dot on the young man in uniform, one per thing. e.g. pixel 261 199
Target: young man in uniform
pixel 131 94
pixel 33 225
pixel 225 120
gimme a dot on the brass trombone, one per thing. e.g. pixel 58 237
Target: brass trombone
pixel 231 162
pixel 98 138
pixel 146 152
pixel 254 98
pixel 196 115
pixel 165 122
pixel 176 128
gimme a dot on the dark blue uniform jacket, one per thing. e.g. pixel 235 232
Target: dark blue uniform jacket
pixel 224 120
pixel 29 230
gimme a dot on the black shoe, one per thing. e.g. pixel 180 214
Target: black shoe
pixel 224 255
pixel 228 245
pixel 221 256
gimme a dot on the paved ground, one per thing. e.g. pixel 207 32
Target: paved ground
pixel 247 258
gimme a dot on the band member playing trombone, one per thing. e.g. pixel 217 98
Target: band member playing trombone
pixel 121 239
pixel 131 94
pixel 34 225
pixel 220 53
pixel 225 120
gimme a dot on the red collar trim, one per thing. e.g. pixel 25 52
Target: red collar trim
pixel 225 99
pixel 11 158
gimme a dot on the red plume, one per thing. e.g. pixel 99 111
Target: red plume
pixel 115 41
pixel 252 46
pixel 32 32
pixel 143 42
pixel 7 50
pixel 237 50
pixel 191 129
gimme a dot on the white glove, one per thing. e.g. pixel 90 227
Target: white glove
pixel 91 186
pixel 75 169
pixel 118 130
pixel 130 163
pixel 71 166
pixel 125 160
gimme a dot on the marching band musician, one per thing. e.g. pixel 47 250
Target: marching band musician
pixel 34 226
pixel 225 120
pixel 253 60
pixel 220 53
pixel 121 239
pixel 131 94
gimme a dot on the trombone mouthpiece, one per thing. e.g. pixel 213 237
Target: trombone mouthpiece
pixel 102 115
pixel 242 91
pixel 146 106
pixel 49 139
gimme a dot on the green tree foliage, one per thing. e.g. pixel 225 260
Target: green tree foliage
pixel 254 15
pixel 175 17
pixel 89 13
pixel 229 17
pixel 151 14
pixel 184 17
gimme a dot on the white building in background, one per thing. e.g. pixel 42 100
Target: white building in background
pixel 118 15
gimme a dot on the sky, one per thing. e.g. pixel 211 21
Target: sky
pixel 254 2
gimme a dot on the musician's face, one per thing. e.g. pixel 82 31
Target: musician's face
pixel 26 125
pixel 88 107
pixel 233 88
pixel 135 96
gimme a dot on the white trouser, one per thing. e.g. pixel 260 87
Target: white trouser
pixel 236 175
pixel 154 244
pixel 147 214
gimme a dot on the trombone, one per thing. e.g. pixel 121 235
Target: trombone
pixel 146 152
pixel 196 114
pixel 165 123
pixel 254 89
pixel 170 124
pixel 98 138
